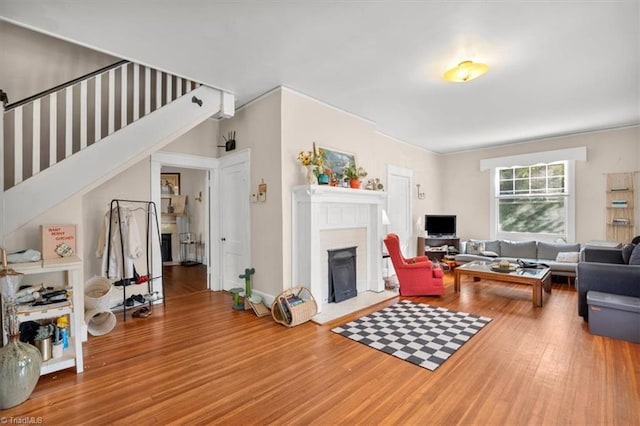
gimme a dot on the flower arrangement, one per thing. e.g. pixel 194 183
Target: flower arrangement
pixel 312 158
pixel 353 172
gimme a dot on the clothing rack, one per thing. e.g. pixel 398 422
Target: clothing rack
pixel 149 207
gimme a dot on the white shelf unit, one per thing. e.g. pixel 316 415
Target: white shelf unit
pixel 620 207
pixel 67 274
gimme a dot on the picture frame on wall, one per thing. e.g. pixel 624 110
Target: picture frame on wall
pixel 170 183
pixel 336 160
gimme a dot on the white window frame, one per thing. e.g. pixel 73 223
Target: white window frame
pixel 569 155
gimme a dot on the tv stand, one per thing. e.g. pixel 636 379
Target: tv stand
pixel 431 246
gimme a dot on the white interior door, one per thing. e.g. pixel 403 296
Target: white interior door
pixel 399 183
pixel 235 227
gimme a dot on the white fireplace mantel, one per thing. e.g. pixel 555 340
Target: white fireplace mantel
pixel 319 208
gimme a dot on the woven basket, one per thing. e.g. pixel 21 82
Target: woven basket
pixel 292 315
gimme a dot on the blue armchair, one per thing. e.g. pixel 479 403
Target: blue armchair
pixel 605 270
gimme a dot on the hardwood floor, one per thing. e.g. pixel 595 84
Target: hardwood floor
pixel 199 361
pixel 180 280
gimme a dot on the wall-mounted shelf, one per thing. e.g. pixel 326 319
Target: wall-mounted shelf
pixel 620 199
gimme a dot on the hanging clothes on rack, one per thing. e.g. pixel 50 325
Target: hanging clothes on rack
pixel 120 244
pixel 120 231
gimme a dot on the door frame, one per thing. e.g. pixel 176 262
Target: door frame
pixel 212 208
pixel 404 172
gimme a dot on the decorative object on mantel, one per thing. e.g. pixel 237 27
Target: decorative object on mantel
pixel 336 162
pixel 354 173
pixel 19 362
pixel 312 161
pixel 374 185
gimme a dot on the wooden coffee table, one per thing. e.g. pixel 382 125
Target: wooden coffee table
pixel 536 278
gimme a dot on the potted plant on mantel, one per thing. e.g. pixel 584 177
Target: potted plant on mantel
pixel 354 174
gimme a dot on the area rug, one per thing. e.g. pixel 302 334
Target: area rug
pixel 421 334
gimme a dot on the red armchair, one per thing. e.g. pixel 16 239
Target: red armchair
pixel 417 275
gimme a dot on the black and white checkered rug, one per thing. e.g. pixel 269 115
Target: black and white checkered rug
pixel 421 334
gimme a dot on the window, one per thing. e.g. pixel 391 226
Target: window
pixel 533 195
pixel 533 200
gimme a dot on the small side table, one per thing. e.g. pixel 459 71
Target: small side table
pixel 451 264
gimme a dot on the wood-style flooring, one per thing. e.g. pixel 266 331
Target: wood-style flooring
pixel 180 280
pixel 197 361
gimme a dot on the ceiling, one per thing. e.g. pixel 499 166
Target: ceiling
pixel 555 67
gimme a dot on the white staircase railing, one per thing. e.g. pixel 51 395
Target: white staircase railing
pixel 52 126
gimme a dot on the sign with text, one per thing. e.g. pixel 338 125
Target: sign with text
pixel 58 241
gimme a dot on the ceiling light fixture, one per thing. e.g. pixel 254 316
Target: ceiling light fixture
pixel 465 71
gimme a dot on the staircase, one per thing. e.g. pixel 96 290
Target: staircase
pixel 74 137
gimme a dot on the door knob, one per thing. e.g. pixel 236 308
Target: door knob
pixel 223 239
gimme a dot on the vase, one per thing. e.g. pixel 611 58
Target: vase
pixel 323 179
pixel 354 183
pixel 19 362
pixel 312 179
pixel 19 372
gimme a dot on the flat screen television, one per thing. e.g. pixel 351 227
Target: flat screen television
pixel 440 225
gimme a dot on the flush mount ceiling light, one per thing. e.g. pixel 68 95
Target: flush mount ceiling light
pixel 465 71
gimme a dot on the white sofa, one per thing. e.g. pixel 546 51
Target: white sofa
pixel 564 264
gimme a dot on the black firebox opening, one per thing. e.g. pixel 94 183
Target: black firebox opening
pixel 342 274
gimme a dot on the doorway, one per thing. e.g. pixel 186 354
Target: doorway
pixel 182 227
pixel 207 268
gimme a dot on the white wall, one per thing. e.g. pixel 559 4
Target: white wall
pixel 258 127
pixel 467 188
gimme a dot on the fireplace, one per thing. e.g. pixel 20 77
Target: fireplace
pixel 166 248
pixel 342 274
pixel 320 211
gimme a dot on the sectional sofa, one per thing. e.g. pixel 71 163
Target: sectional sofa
pixel 562 258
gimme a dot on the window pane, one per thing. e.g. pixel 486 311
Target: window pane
pixel 532 215
pixel 557 184
pixel 522 186
pixel 539 171
pixel 522 172
pixel 538 185
pixel 556 169
pixel 506 174
pixel 506 187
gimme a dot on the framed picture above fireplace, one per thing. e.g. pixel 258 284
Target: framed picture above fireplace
pixel 336 160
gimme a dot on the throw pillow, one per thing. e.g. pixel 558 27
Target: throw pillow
pixel 634 259
pixel 568 256
pixel 626 252
pixel 475 247
pixel 489 253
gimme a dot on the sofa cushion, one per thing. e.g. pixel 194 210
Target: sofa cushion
pixel 475 247
pixel 626 252
pixel 568 257
pixel 492 245
pixel 635 256
pixel 464 258
pixel 518 249
pixel 550 251
pixel 565 267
